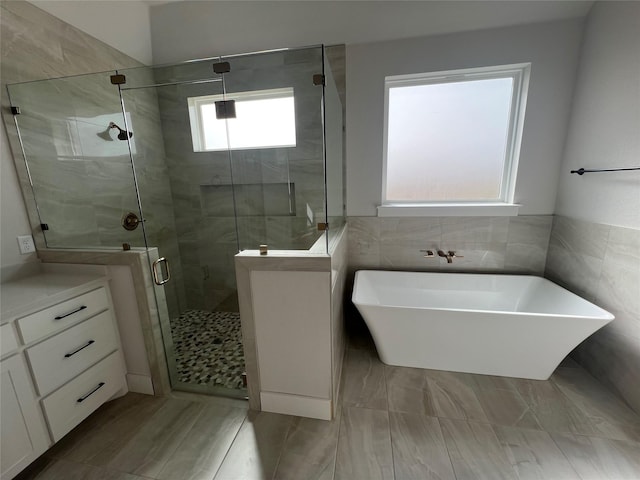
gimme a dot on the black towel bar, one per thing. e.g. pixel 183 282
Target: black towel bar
pixel 582 171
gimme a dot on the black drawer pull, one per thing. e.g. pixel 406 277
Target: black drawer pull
pixel 82 399
pixel 71 313
pixel 71 354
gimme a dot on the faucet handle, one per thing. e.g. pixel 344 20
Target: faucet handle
pixel 428 253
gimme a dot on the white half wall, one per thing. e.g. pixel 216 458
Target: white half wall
pixel 124 25
pixel 553 50
pixel 605 123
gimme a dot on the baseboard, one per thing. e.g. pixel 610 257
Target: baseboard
pixel 297 405
pixel 140 384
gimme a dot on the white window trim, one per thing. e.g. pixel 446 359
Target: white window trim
pixel 450 210
pixel 503 206
pixel 195 114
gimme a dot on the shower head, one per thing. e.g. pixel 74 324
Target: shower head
pixel 123 134
pixel 106 135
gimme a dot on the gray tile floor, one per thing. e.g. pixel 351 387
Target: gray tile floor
pixel 393 423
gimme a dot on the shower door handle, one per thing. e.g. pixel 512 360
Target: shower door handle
pixel 158 277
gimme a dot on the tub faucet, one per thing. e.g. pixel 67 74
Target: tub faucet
pixel 449 255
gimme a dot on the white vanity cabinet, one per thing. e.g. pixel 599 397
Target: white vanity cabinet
pixel 61 358
pixel 24 435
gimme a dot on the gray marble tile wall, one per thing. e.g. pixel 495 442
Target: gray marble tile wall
pixel 203 199
pixel 602 264
pixel 487 244
pixel 35 46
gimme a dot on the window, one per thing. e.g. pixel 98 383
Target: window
pixel 264 119
pixel 453 138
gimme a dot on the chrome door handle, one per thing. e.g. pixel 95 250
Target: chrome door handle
pixel 156 275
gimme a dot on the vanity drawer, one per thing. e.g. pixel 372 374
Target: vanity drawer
pixel 60 358
pixel 58 317
pixel 69 405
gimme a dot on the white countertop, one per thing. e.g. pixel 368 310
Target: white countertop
pixel 46 285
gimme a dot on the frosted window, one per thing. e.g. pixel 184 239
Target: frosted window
pixel 450 138
pixel 264 119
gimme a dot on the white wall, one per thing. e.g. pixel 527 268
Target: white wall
pixel 552 48
pixel 125 25
pixel 605 123
pixel 13 211
pixel 199 29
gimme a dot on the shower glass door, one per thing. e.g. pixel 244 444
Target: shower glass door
pixel 185 186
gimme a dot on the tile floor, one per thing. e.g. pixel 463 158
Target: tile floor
pixel 393 423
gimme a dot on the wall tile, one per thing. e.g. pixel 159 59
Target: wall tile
pixel 424 232
pixel 602 263
pixel 476 257
pixel 393 256
pixel 619 283
pixel 478 229
pixel 585 238
pixel 363 242
pixel 576 271
pixel 530 229
pixel 488 244
pixel 525 258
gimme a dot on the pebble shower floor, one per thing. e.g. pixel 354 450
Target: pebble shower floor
pixel 208 348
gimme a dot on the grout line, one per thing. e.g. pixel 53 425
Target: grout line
pixel 386 393
pixel 246 417
pixel 446 446
pixel 184 438
pixel 529 409
pixel 503 449
pixel 563 453
pixel 292 420
pixel 335 456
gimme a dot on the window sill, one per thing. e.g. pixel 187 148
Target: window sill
pixel 450 210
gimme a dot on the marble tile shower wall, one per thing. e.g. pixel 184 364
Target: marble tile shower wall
pixel 35 46
pixel 602 264
pixel 491 244
pixel 83 183
pixel 201 182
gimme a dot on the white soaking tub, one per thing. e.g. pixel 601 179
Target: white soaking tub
pixel 508 325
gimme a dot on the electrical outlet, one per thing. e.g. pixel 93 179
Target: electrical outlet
pixel 26 244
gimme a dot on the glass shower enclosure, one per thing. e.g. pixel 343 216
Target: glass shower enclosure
pixel 198 160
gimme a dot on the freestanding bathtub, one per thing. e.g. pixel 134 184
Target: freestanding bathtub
pixel 508 325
